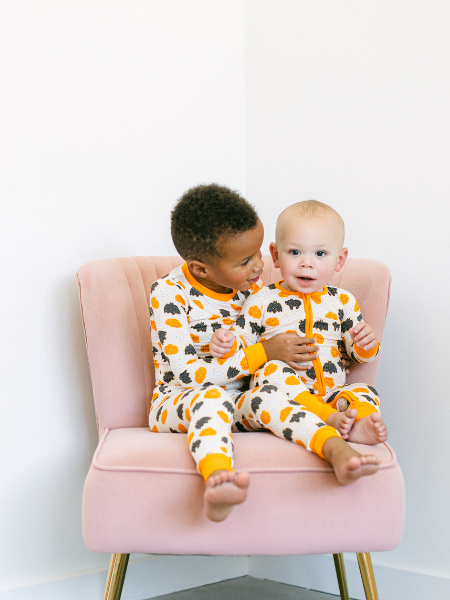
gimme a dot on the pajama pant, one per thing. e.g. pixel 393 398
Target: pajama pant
pixel 360 396
pixel 209 415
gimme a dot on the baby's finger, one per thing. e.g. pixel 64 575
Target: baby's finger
pixel 366 339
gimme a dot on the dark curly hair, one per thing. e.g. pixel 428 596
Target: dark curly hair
pixel 206 213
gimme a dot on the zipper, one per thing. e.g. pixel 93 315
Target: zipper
pixel 321 388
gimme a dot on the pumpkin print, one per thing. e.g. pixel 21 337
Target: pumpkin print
pixel 270 369
pixel 173 323
pixel 272 322
pixel 170 349
pixel 254 312
pixel 212 394
pixel 200 375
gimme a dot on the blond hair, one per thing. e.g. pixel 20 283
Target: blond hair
pixel 309 209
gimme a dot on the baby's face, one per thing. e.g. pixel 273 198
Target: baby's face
pixel 308 253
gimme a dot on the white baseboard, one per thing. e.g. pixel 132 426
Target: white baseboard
pixel 317 573
pixel 146 578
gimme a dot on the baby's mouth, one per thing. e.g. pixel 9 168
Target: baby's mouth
pixel 306 278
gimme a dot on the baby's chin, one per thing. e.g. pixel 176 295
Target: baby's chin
pixel 304 286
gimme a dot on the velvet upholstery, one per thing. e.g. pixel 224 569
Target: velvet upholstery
pixel 143 494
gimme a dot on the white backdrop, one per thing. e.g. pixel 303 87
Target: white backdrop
pixel 348 103
pixel 108 112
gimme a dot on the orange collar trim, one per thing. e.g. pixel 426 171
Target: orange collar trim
pixel 299 294
pixel 204 290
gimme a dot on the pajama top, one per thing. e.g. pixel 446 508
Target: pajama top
pixel 327 316
pixel 183 316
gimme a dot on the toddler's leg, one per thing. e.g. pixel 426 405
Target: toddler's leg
pixel 206 415
pixel 369 427
pixel 288 381
pixel 267 407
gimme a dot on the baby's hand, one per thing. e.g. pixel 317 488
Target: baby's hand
pixel 221 342
pixel 364 336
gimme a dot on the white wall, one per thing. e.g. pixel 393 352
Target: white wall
pixel 108 112
pixel 348 103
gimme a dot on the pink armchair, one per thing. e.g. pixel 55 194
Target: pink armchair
pixel 132 500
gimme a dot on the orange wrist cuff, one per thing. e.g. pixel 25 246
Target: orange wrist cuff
pixel 366 353
pixel 232 350
pixel 256 356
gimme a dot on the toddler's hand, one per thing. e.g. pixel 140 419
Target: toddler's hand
pixel 291 349
pixel 221 342
pixel 364 336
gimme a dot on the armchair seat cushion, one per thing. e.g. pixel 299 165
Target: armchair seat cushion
pixel 143 494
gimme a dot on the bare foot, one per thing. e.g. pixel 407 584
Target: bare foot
pixel 343 421
pixel 348 464
pixel 223 490
pixel 369 430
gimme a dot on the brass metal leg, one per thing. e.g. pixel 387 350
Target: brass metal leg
pixel 367 576
pixel 116 576
pixel 340 572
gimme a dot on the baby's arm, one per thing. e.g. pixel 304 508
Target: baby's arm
pixel 359 338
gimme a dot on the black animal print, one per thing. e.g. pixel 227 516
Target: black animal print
pixel 329 367
pixel 256 401
pixel 311 373
pixel 274 307
pixel 288 434
pixel 202 422
pixel 194 292
pixel 185 377
pixel 293 303
pixel 297 416
pixel 172 309
pixel 232 372
pixel 346 325
pixel 321 325
pixel 240 321
pixel 168 377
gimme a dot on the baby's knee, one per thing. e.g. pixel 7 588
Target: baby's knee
pixel 274 369
pixel 214 397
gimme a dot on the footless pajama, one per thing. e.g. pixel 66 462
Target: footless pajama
pixel 204 397
pixel 327 316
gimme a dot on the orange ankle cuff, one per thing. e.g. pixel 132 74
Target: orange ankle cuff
pixel 213 462
pixel 320 437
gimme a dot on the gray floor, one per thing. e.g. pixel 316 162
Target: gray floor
pixel 248 588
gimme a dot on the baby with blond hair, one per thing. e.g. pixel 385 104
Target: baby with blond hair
pixel 308 250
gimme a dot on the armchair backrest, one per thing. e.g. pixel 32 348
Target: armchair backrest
pixel 114 297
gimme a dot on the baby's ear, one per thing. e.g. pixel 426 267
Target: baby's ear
pixel 342 259
pixel 274 254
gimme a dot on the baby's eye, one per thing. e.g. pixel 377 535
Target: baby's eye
pixel 245 262
pixel 295 252
pixel 321 253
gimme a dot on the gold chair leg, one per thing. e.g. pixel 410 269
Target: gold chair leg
pixel 340 572
pixel 367 576
pixel 116 576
